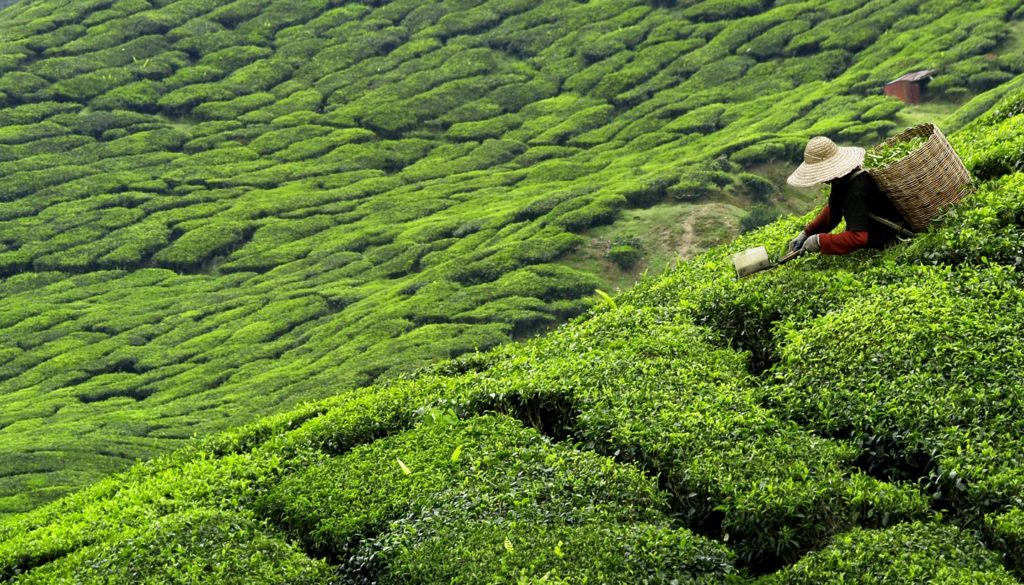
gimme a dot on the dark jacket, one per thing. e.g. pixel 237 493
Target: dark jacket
pixel 853 197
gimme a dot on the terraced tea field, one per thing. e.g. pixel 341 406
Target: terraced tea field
pixel 843 419
pixel 214 211
pixel 288 228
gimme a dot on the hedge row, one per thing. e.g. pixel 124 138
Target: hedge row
pixel 907 553
pixel 485 499
pixel 389 484
pixel 644 385
pixel 521 506
pixel 943 349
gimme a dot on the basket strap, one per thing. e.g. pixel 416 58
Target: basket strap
pixel 891 224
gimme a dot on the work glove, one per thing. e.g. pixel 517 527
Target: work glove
pixel 797 242
pixel 811 244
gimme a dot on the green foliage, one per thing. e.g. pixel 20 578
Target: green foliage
pixel 625 251
pixel 890 361
pixel 703 120
pixel 695 184
pixel 984 226
pixel 688 421
pixel 760 189
pixel 885 109
pixel 991 146
pixel 215 211
pixel 771 43
pixel 1006 531
pixel 943 346
pixel 201 244
pixel 199 545
pixel 488 499
pixel 758 216
pixel 886 154
pixel 907 553
pixel 723 9
pixel 762 152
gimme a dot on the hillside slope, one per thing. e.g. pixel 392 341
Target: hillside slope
pixel 213 211
pixel 838 420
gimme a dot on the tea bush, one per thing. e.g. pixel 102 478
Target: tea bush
pixel 227 472
pixel 946 355
pixel 1007 532
pixel 992 146
pixel 758 216
pixel 625 251
pixel 199 545
pixel 486 498
pixel 985 226
pixel 906 553
pixel 688 422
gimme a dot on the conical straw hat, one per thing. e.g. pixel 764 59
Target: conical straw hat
pixel 823 160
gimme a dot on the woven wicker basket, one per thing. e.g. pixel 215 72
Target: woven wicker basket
pixel 927 180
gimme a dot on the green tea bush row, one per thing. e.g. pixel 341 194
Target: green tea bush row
pixel 944 349
pixel 194 523
pixel 695 423
pixel 1006 532
pixel 201 244
pixel 484 499
pixel 210 546
pixel 596 397
pixel 983 227
pixel 221 483
pixel 220 477
pixel 991 148
pixel 907 553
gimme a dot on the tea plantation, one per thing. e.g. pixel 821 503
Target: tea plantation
pixel 213 211
pixel 304 231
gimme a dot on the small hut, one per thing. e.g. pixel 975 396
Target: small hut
pixel 909 87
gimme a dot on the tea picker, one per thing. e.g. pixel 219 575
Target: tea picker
pixel 908 180
pixel 854 197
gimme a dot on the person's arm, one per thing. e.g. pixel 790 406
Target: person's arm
pixel 843 243
pixel 823 223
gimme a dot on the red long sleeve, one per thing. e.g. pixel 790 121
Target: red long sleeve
pixel 843 243
pixel 823 223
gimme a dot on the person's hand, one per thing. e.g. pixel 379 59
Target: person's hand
pixel 811 244
pixel 797 242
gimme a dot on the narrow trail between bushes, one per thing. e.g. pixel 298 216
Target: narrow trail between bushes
pixel 687 238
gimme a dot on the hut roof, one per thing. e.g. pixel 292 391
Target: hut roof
pixel 915 76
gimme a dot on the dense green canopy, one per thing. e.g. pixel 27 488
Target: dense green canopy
pixel 215 210
pixel 267 213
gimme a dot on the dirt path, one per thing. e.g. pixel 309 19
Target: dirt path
pixel 688 238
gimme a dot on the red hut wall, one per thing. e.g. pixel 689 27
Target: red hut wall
pixel 907 91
